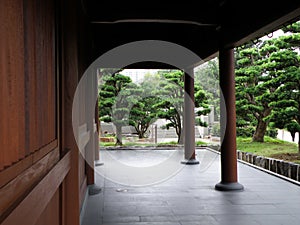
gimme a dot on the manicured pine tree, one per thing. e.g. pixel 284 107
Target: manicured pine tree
pixel 172 98
pixel 115 99
pixel 286 113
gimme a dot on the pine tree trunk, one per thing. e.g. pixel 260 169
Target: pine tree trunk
pixel 260 131
pixel 141 135
pixel 119 135
pixel 180 133
pixel 293 134
pixel 181 136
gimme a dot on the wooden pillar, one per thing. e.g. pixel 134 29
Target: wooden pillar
pixel 68 84
pixel 229 179
pixel 189 118
pixel 90 147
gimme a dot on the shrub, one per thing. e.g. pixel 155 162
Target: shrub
pixel 271 132
pixel 245 131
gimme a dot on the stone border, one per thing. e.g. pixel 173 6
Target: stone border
pixel 287 169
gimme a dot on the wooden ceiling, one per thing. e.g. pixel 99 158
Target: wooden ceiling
pixel 200 26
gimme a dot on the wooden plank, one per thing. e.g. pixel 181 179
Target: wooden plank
pixel 16 138
pixel 51 215
pixel 45 150
pixel 40 74
pixel 31 78
pixel 29 73
pixel 41 118
pixel 83 189
pixel 30 209
pixel 12 65
pixel 15 190
pixel 49 23
pixel 19 89
pixel 14 170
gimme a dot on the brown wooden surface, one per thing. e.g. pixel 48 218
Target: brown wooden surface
pixel 27 81
pixel 15 190
pixel 69 80
pixel 40 92
pixel 228 118
pixel 30 127
pixel 11 83
pixel 31 208
pixel 13 171
pixel 44 150
pixel 51 215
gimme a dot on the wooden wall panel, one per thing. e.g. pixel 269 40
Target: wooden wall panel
pixel 27 78
pixel 40 46
pixel 11 82
pixel 28 111
pixel 31 75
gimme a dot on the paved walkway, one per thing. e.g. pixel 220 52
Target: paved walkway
pixel 189 198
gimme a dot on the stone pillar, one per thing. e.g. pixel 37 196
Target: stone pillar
pixel 229 179
pixel 189 118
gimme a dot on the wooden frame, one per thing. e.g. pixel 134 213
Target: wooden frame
pixel 30 209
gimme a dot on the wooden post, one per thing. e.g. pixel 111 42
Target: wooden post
pixel 189 119
pixel 229 180
pixel 69 79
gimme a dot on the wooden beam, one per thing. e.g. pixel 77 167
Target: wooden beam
pixel 13 192
pixel 30 209
pixel 13 171
pixel 45 150
pixel 248 35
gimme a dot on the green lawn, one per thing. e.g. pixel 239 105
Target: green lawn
pixel 273 148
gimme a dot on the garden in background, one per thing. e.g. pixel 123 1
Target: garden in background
pixel 267 100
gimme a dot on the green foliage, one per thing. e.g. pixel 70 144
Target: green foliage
pixel 253 90
pixel 115 97
pixel 171 104
pixel 267 83
pixel 286 113
pixel 201 143
pixel 271 132
pixel 143 114
pixel 158 96
pixel 246 131
pixel 207 77
pixel 172 98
